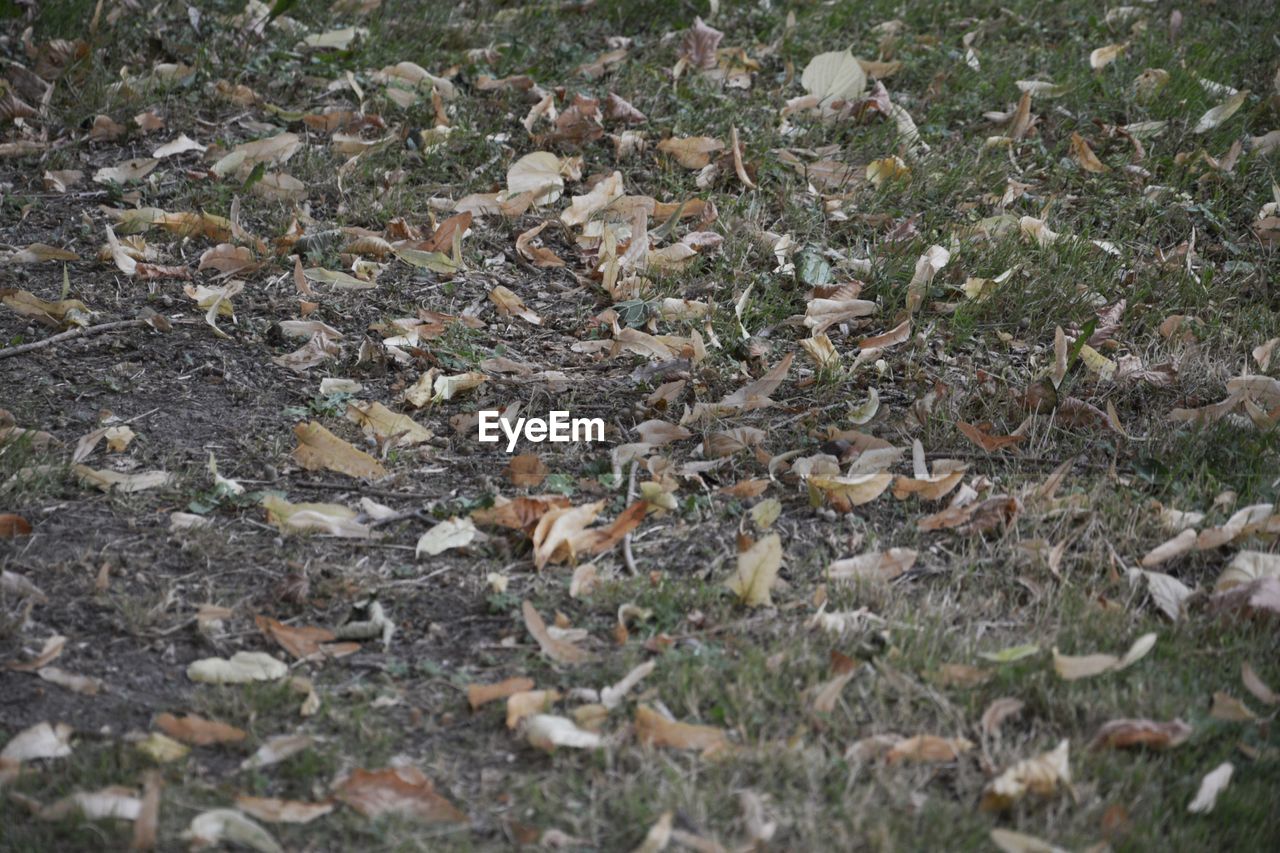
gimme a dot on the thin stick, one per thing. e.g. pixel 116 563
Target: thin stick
pixel 71 334
pixel 626 540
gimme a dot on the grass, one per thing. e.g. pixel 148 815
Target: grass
pixel 751 673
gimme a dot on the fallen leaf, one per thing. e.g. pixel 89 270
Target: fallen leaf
pixel 1124 733
pixel 115 802
pixel 653 729
pixel 1085 666
pixel 834 75
pixel 275 810
pixel 1219 114
pixel 242 668
pixel 320 449
pixel 1257 687
pixel 198 731
pixel 401 791
pixel 928 749
pixel 43 740
pixel 998 711
pixel 277 749
pixel 227 825
pixel 1213 784
pixel 757 572
pixel 453 533
pixel 546 732
pixel 482 694
pixel 875 565
pixel 560 651
pixel 1041 776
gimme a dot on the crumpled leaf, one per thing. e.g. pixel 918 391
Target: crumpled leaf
pixel 482 694
pixel 43 740
pixel 560 651
pixel 219 826
pixel 928 749
pixel 691 152
pixel 277 749
pixel 1041 776
pixel 1124 733
pixel 757 572
pixel 509 304
pixel 241 668
pixel 546 732
pixel 63 314
pixel 334 519
pixel 379 421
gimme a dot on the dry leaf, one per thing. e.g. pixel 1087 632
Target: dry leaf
pixel 1041 776
pixel 401 791
pixel 1213 784
pixel 275 810
pixel 482 694
pixel 927 749
pixel 560 651
pixel 320 449
pixel 242 668
pixel 453 533
pixel 653 729
pixel 1120 734
pixel 546 732
pixel 198 731
pixel 227 825
pixel 757 572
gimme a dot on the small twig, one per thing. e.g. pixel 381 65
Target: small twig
pixel 72 334
pixel 626 540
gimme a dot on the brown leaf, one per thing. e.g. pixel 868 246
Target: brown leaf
pixel 984 438
pixel 998 711
pixel 1121 734
pixel 198 731
pixel 13 526
pixel 1229 708
pixel 275 810
pixel 146 825
pixel 401 791
pixel 320 449
pixel 1084 155
pixel 653 729
pixel 928 749
pixel 1257 687
pixel 303 642
pixel 560 651
pixel 481 694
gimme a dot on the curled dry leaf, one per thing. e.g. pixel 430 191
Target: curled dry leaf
pixel 1041 776
pixel 757 572
pixel 1121 734
pixel 401 791
pixel 220 826
pixel 875 565
pixel 560 651
pixel 109 480
pixel 1085 666
pixel 334 519
pixel 277 749
pixel 998 711
pixel 377 420
pixel 1257 687
pixel 653 729
pixel 43 740
pixel 511 305
pixel 1219 114
pixel 273 810
pixel 115 802
pixel 482 694
pixel 928 749
pixel 241 668
pixel 1213 784
pixel 693 152
pixel 198 731
pixel 546 732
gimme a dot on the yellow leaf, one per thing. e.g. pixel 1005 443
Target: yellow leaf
pixel 320 449
pixel 757 571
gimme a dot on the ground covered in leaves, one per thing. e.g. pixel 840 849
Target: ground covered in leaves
pixel 933 348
